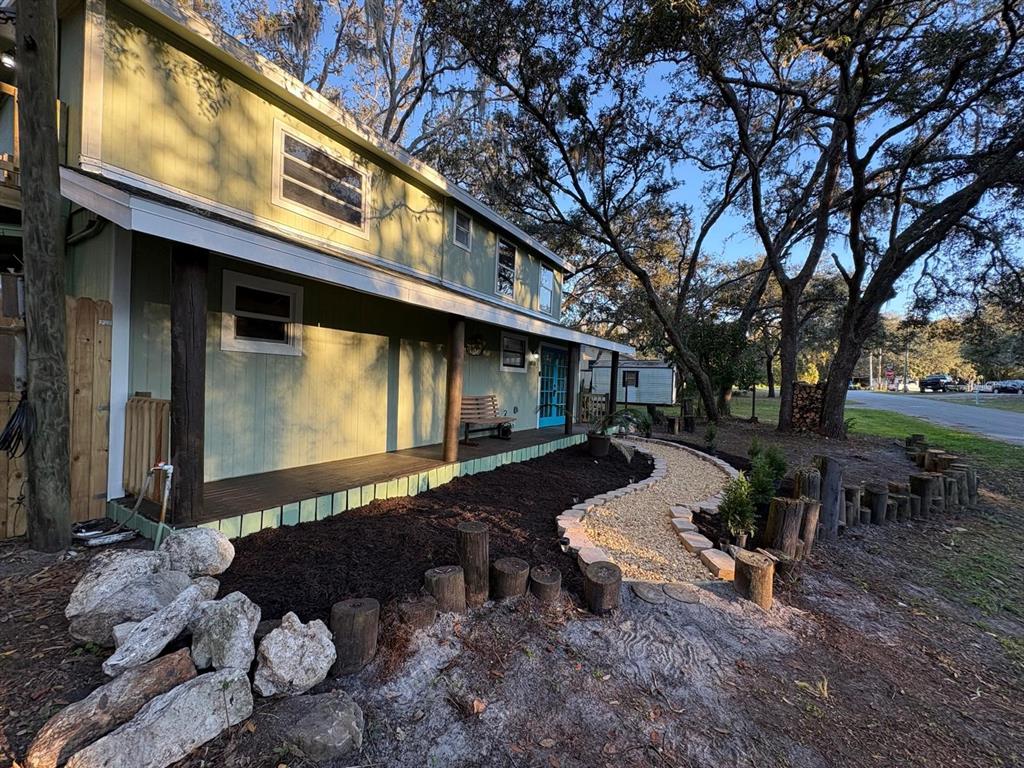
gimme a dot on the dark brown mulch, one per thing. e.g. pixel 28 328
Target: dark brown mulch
pixel 381 550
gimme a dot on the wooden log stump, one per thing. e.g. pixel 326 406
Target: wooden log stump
pixel 897 488
pixel 546 583
pixel 509 577
pixel 890 510
pixel 959 471
pixel 931 459
pixel 915 506
pixel 354 624
pixel 809 532
pixel 921 487
pixel 902 502
pixel 418 612
pixel 807 482
pixel 915 439
pixel 448 586
pixel 938 486
pixel 602 584
pixel 971 478
pixel 853 498
pixel 471 544
pixel 831 470
pixel 945 460
pixel 876 497
pixel 785 518
pixel 952 488
pixel 755 574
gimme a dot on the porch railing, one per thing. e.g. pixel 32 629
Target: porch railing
pixel 147 440
pixel 593 406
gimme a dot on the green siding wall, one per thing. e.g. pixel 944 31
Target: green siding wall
pixel 88 265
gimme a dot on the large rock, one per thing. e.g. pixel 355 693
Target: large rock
pixel 136 600
pixel 294 657
pixel 222 632
pixel 199 551
pixel 331 727
pixel 173 724
pixel 106 708
pixel 209 585
pixel 108 572
pixel 151 635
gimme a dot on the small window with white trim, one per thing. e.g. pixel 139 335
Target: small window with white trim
pixel 514 353
pixel 505 279
pixel 318 183
pixel 260 315
pixel 547 289
pixel 462 232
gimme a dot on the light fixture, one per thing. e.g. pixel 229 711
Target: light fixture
pixel 475 346
pixel 7 59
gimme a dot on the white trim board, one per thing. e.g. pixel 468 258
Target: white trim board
pixel 141 214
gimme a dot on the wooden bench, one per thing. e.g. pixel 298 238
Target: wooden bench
pixel 480 414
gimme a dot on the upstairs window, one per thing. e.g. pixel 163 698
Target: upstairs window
pixel 462 232
pixel 547 290
pixel 260 315
pixel 505 281
pixel 318 184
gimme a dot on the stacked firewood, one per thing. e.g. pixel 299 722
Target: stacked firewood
pixel 807 402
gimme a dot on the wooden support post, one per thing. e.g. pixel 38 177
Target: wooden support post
pixel 876 498
pixel 812 512
pixel 545 583
pixel 754 577
pixel 921 486
pixel 188 380
pixel 572 387
pixel 613 385
pixel 509 577
pixel 785 518
pixel 453 387
pixel 448 586
pixel 831 470
pixel 471 544
pixel 418 612
pixel 354 624
pixel 852 494
pixel 602 583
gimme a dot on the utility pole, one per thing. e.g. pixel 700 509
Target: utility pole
pixel 871 369
pixel 906 366
pixel 49 504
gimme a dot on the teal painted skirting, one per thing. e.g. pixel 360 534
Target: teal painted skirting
pixel 321 507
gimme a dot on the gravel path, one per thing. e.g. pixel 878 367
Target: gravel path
pixel 635 529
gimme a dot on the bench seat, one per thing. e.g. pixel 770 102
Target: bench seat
pixel 479 413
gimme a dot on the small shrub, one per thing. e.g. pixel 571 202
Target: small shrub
pixel 736 510
pixel 756 447
pixel 776 462
pixel 710 434
pixel 762 482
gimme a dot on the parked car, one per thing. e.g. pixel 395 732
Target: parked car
pixel 937 382
pixel 986 386
pixel 1010 386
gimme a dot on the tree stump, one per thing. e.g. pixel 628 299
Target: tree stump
pixel 921 486
pixel 960 473
pixel 938 486
pixel 945 460
pixel 602 583
pixel 890 510
pixel 952 488
pixel 971 478
pixel 471 544
pixel 807 482
pixel 931 459
pixel 902 501
pixel 895 487
pixel 754 577
pixel 812 513
pixel 355 624
pixel 546 583
pixel 915 506
pixel 915 439
pixel 448 586
pixel 785 518
pixel 852 494
pixel 509 577
pixel 876 497
pixel 831 490
pixel 418 612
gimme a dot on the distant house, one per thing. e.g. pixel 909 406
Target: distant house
pixel 300 291
pixel 638 381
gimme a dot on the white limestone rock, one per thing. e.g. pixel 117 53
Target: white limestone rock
pixel 139 598
pixel 108 572
pixel 222 632
pixel 121 632
pixel 151 635
pixel 331 728
pixel 294 657
pixel 173 724
pixel 199 551
pixel 209 586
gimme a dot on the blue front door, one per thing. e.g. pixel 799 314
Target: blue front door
pixel 554 373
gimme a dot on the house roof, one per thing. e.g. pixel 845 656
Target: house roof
pixel 147 212
pixel 229 51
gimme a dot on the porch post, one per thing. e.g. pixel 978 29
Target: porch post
pixel 572 387
pixel 453 392
pixel 188 379
pixel 613 384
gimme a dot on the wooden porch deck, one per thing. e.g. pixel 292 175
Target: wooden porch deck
pixel 237 496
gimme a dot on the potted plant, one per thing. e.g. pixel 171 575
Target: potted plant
pixel 736 510
pixel 622 421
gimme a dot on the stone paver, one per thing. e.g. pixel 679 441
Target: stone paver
pixel 719 563
pixel 683 526
pixel 649 593
pixel 695 542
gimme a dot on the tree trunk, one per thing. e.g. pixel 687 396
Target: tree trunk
pixel 49 494
pixel 770 374
pixel 725 400
pixel 851 342
pixel 788 349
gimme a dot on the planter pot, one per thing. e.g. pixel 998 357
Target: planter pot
pixel 599 444
pixel 741 541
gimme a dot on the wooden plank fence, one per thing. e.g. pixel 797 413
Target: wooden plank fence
pixel 147 440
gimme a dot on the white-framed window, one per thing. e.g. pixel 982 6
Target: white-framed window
pixel 547 289
pixel 317 182
pixel 514 353
pixel 260 315
pixel 462 230
pixel 505 275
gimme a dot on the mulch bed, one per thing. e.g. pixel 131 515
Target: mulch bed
pixel 381 550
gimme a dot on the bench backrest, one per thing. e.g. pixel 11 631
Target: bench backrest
pixel 479 407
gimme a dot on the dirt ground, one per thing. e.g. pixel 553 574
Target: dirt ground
pixel 900 645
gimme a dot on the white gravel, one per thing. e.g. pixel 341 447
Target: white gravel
pixel 635 529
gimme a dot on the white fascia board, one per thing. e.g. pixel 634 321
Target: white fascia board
pixel 232 53
pixel 152 217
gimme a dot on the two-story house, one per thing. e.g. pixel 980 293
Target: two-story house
pixel 313 301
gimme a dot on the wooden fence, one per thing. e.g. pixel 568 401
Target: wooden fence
pixel 88 352
pixel 593 406
pixel 147 440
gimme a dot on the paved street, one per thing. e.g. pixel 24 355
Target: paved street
pixel 991 422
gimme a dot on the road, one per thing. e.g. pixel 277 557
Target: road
pixel 1007 426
